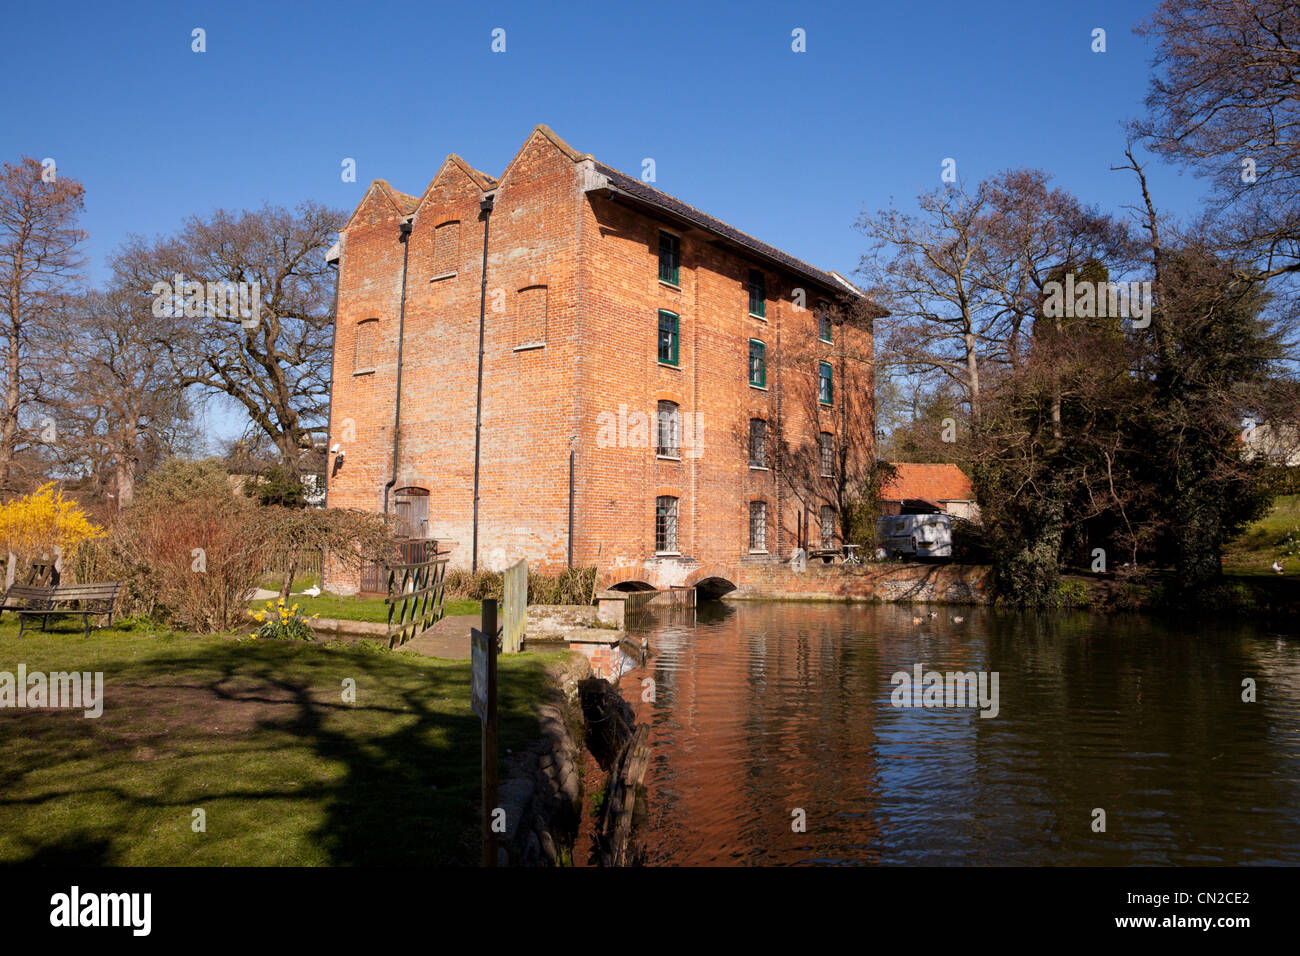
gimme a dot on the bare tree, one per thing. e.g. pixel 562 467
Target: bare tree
pixel 119 406
pixel 964 277
pixel 926 269
pixel 38 256
pixel 1226 101
pixel 274 362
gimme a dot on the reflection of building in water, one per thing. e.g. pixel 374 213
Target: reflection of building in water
pixel 763 732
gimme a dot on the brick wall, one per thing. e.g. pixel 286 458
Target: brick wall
pixel 553 374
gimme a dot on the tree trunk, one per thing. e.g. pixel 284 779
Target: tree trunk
pixel 291 571
pixel 972 376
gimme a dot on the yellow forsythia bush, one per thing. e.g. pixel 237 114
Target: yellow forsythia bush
pixel 34 525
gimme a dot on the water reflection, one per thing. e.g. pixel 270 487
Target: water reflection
pixel 763 709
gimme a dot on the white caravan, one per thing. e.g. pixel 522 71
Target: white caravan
pixel 915 536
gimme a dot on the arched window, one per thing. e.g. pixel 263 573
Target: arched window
pixel 668 431
pixel 757 443
pixel 826 454
pixel 666 524
pixel 758 526
pixel 828 527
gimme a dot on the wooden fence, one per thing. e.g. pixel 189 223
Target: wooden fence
pixel 516 607
pixel 278 561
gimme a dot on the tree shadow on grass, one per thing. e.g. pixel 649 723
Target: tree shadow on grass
pixel 261 733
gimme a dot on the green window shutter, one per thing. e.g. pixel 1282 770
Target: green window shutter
pixel 757 363
pixel 669 338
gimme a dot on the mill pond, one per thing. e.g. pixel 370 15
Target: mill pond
pixel 777 737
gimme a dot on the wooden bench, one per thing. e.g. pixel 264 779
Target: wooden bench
pixel 28 601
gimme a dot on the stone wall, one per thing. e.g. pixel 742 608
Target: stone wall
pixel 889 581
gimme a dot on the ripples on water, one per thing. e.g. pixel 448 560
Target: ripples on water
pixel 761 708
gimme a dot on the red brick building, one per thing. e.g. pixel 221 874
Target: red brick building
pixel 591 373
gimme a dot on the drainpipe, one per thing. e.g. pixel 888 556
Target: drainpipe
pixel 404 239
pixel 338 277
pixel 571 454
pixel 485 205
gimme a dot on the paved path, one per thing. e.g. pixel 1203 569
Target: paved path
pixel 448 638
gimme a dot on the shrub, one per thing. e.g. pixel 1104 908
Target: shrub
pixel 570 586
pixel 189 562
pixel 1073 593
pixel 38 524
pixel 278 487
pixel 968 543
pixel 205 555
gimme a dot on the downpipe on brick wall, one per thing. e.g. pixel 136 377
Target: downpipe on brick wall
pixel 405 239
pixel 485 204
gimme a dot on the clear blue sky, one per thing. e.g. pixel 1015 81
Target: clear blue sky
pixel 787 146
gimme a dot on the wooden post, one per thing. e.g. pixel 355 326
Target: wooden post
pixel 490 735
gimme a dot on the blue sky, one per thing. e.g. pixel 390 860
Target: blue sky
pixel 787 146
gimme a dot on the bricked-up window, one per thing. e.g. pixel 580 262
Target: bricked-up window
pixel 367 337
pixel 446 249
pixel 668 442
pixel 670 258
pixel 757 443
pixel 828 526
pixel 666 524
pixel 530 316
pixel 757 293
pixel 826 451
pixel 823 322
pixel 825 385
pixel 669 338
pixel 758 526
pixel 757 363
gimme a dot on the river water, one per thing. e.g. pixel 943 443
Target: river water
pixel 775 738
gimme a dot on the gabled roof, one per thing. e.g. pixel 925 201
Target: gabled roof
pixel 929 482
pixel 479 178
pixel 402 202
pixel 620 185
pixel 647 194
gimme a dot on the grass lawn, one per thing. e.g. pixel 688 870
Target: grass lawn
pixel 1255 550
pixel 255 734
pixel 359 608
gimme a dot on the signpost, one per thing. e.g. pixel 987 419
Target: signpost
pixel 483 698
